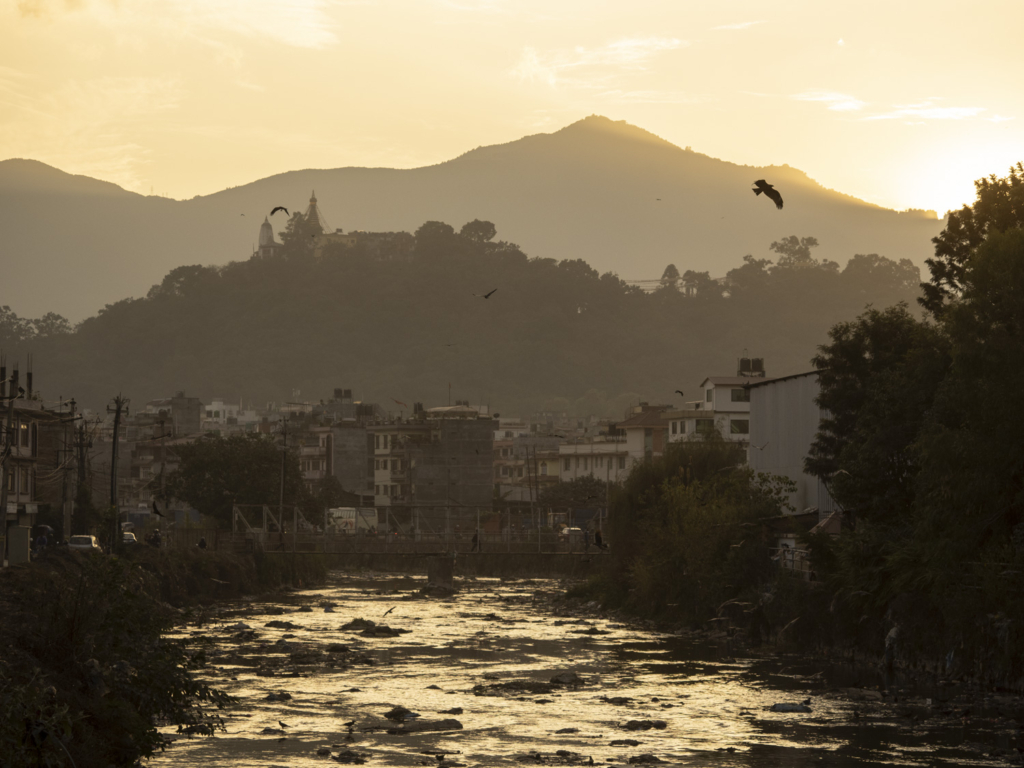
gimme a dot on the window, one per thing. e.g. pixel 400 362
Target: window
pixel 585 462
pixel 376 441
pixel 26 487
pixel 707 395
pixel 577 462
pixel 568 466
pixel 394 490
pixel 504 471
pixel 705 426
pixel 519 472
pixel 508 433
pixel 741 395
pixel 376 489
pixel 544 468
pixel 622 462
pixel 739 427
pixel 23 430
pixel 675 427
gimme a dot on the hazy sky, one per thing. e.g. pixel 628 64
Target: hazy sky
pixel 900 103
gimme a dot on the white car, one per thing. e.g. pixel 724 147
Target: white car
pixel 127 537
pixel 84 543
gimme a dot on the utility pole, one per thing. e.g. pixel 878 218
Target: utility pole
pixel 284 455
pixel 68 484
pixel 120 403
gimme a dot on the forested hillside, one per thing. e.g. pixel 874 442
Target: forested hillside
pixel 554 335
pixel 607 192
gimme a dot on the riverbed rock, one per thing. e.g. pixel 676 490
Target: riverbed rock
pixel 359 624
pixel 790 707
pixel 268 731
pixel 349 757
pixel 196 729
pixel 616 700
pixel 283 696
pixel 277 624
pixel 568 730
pixel 400 714
pixel 862 694
pixel 535 687
pixel 305 609
pixel 645 725
pixel 323 752
pixel 567 678
pixel 452 711
pixel 625 743
pixel 559 757
pixel 336 648
pixel 418 726
pixel 645 759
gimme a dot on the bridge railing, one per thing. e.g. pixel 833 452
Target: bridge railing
pixel 522 542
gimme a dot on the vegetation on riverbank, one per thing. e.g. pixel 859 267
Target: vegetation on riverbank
pixel 86 673
pixel 920 446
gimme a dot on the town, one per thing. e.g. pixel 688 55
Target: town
pixel 437 474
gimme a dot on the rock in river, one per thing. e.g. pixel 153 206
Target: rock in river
pixel 417 726
pixel 645 725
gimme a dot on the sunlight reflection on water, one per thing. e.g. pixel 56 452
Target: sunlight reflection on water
pixel 714 706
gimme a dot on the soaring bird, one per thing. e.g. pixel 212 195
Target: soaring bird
pixel 280 208
pixel 389 610
pixel 486 295
pixel 156 511
pixel 680 393
pixel 769 191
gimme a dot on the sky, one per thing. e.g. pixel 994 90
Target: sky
pixel 903 104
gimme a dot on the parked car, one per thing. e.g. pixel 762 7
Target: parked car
pixel 127 537
pixel 84 543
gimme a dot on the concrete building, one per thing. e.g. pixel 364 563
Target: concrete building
pixel 784 421
pixel 605 457
pixel 181 415
pixel 723 407
pixel 434 471
pixel 646 431
pixel 524 466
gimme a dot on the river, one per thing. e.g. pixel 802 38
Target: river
pixel 708 708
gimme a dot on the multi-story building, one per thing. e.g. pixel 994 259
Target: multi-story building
pixel 181 415
pixel 433 471
pixel 724 406
pixel 524 466
pixel 605 457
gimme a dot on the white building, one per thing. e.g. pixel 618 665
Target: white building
pixel 724 406
pixel 784 419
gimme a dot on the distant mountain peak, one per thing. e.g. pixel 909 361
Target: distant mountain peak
pixel 605 126
pixel 27 175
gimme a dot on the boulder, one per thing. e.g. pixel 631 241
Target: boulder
pixel 645 725
pixel 418 726
pixel 567 678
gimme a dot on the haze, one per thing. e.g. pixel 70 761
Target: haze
pixel 903 105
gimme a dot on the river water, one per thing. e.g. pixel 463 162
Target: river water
pixel 708 707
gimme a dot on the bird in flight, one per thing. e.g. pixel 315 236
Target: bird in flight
pixel 156 511
pixel 389 610
pixel 680 393
pixel 280 208
pixel 769 191
pixel 400 403
pixel 486 295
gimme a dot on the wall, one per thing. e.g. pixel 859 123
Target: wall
pixel 783 423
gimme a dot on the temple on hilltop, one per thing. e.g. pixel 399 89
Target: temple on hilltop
pixel 382 246
pixel 268 247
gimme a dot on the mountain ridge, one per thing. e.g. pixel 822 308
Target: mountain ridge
pixel 589 190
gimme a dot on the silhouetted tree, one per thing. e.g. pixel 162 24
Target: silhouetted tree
pixel 1000 206
pixel 670 277
pixel 479 231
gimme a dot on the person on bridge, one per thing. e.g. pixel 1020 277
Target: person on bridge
pixel 476 542
pixel 599 539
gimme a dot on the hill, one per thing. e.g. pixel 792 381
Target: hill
pixel 589 191
pixel 554 335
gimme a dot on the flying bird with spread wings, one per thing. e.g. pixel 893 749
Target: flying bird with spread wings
pixel 486 295
pixel 280 208
pixel 769 191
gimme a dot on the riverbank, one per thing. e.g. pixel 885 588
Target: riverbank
pixel 87 671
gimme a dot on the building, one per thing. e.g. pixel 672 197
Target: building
pixel 433 472
pixel 268 247
pixel 605 457
pixel 724 406
pixel 784 420
pixel 181 415
pixel 524 466
pixel 646 431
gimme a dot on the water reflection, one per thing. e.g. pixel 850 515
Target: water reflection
pixel 715 707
